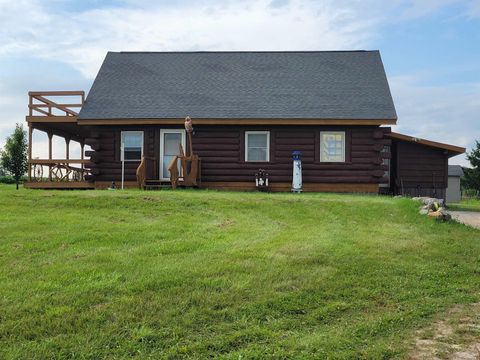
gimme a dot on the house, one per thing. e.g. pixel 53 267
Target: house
pixel 454 192
pixel 250 111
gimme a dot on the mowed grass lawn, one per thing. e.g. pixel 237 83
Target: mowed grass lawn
pixel 197 274
pixel 466 205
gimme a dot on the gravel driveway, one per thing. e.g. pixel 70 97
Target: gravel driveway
pixel 471 218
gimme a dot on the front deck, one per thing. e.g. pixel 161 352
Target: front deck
pixel 55 113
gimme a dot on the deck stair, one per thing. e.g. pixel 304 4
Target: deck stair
pixel 153 184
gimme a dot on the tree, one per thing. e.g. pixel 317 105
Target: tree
pixel 14 157
pixel 472 176
pixel 2 170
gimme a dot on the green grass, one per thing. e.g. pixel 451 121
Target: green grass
pixel 466 205
pixel 197 274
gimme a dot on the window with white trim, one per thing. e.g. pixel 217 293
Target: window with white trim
pixel 332 146
pixel 132 142
pixel 257 146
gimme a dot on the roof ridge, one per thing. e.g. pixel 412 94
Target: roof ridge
pixel 241 52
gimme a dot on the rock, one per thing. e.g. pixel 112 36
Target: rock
pixel 434 208
pixel 441 214
pixel 430 201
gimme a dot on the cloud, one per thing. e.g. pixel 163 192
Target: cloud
pixel 71 39
pixel 444 113
pixel 82 39
pixel 82 36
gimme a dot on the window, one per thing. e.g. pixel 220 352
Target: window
pixel 257 146
pixel 386 161
pixel 132 145
pixel 332 146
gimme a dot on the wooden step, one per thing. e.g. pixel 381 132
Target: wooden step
pixel 156 186
pixel 154 181
pixel 157 182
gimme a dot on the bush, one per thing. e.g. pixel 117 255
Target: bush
pixel 9 179
pixel 470 194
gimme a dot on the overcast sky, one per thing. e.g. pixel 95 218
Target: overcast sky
pixel 430 48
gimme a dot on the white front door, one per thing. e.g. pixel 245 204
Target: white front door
pixel 170 140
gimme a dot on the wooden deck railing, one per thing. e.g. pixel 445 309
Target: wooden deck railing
pixel 67 103
pixel 57 170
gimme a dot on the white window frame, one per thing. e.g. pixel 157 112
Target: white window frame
pixel 166 177
pixel 247 133
pixel 344 146
pixel 122 155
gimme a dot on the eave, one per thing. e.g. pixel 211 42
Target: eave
pixel 452 149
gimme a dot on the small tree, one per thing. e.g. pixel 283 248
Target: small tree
pixel 472 176
pixel 14 157
pixel 2 170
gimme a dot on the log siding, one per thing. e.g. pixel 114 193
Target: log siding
pixel 222 152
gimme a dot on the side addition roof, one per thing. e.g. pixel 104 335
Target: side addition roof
pixel 329 85
pixel 452 149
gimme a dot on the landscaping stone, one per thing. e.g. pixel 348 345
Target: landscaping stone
pixel 434 208
pixel 423 211
pixel 429 200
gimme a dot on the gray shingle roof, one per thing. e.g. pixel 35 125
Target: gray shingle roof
pixel 455 170
pixel 217 85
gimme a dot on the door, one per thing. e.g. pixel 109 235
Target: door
pixel 170 140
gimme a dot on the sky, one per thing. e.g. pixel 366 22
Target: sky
pixel 430 48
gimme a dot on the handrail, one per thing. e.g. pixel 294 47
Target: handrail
pixel 141 172
pixel 40 105
pixel 57 170
pixel 57 161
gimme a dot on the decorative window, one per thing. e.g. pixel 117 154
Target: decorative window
pixel 132 143
pixel 332 146
pixel 257 146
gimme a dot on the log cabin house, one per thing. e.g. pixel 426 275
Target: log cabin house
pixel 250 111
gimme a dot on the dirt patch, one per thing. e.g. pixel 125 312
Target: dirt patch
pixel 226 223
pixel 455 336
pixel 151 198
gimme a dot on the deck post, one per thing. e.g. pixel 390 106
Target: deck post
pixel 30 103
pixel 67 148
pixel 50 135
pixel 82 151
pixel 30 132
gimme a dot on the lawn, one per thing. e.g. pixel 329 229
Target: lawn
pixel 197 274
pixel 466 205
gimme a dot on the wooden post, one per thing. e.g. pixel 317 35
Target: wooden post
pixel 190 146
pixel 30 103
pixel 67 148
pixel 82 166
pixel 30 132
pixel 50 135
